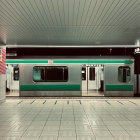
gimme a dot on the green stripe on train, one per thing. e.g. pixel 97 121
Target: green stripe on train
pixel 26 61
pixel 119 87
pixel 50 87
pixel 69 61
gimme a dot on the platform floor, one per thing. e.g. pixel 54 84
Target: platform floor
pixel 70 119
pixel 84 93
pixel 12 93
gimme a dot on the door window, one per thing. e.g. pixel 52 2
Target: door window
pixel 92 73
pixel 83 73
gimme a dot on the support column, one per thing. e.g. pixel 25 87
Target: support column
pixel 2 73
pixel 137 72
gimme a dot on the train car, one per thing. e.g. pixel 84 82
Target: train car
pixel 75 76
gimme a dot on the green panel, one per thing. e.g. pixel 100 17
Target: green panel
pixel 119 87
pixel 70 61
pixel 26 61
pixel 50 87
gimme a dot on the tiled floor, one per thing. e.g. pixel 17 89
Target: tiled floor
pixel 45 119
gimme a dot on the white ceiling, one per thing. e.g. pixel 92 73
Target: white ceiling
pixel 69 22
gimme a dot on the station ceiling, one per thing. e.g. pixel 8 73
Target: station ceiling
pixel 69 22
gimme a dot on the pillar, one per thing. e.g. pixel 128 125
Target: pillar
pixel 2 73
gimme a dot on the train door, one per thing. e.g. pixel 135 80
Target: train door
pixel 92 80
pixel 12 80
pixel 84 80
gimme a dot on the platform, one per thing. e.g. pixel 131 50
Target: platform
pixel 70 119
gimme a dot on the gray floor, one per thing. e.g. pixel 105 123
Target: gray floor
pixel 69 119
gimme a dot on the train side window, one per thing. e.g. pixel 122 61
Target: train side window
pixel 124 74
pixel 50 74
pixel 56 74
pixel 92 74
pixel 83 73
pixel 38 74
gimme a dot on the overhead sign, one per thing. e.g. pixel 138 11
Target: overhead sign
pixel 137 50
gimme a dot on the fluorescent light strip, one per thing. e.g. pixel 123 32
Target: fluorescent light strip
pixel 72 46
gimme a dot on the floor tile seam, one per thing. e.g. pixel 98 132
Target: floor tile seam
pixel 136 115
pixel 89 123
pixel 114 125
pixel 130 130
pixel 74 120
pixel 30 125
pixel 121 113
pixel 19 127
pixel 136 125
pixel 107 128
pixel 110 132
pixel 93 106
pixel 45 122
pixel 4 137
pixel 129 119
pixel 60 122
pixel 135 136
pixel 102 120
pixel 123 130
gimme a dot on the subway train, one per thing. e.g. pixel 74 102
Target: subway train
pixel 74 76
